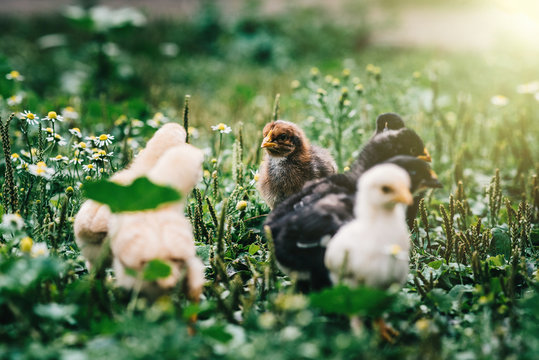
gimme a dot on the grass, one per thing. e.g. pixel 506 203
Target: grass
pixel 472 288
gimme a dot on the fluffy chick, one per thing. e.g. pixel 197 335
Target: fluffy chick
pixel 164 233
pixel 301 223
pixel 92 220
pixel 388 121
pixel 373 248
pixel 290 161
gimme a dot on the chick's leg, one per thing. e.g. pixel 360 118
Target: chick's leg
pixel 386 332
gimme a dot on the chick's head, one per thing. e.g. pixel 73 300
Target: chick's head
pixel 388 121
pixel 384 186
pixel 405 142
pixel 282 138
pixel 421 174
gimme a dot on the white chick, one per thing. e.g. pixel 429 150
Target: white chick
pixel 373 248
pixel 163 233
pixel 92 221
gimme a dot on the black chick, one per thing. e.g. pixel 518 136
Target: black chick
pixel 301 224
pixel 388 121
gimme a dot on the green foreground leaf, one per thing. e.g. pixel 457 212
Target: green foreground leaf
pixel 142 194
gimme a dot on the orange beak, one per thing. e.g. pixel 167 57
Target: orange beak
pixel 426 156
pixel 267 142
pixel 403 195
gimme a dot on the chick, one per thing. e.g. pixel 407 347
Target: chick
pixel 290 162
pixel 163 233
pixel 92 220
pixel 302 223
pixel 388 121
pixel 373 248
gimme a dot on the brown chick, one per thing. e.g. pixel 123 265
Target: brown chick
pixel 290 162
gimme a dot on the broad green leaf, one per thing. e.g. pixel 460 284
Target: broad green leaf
pixel 343 300
pixel 253 248
pixel 436 264
pixel 203 253
pixel 142 194
pixel 218 333
pixel 156 269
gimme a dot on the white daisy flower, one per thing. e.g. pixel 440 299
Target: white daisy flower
pixel 222 128
pixel 70 113
pixel 104 139
pixel 76 132
pixel 157 120
pixel 91 139
pixel 49 130
pixel 22 166
pixel 59 158
pixel 75 160
pixel 14 100
pixel 39 249
pixel 15 157
pixel 14 75
pixel 41 169
pixel 499 100
pixel 12 220
pixel 529 88
pixel 80 146
pixel 53 116
pixel 137 123
pixel 88 167
pixel 30 117
pixel 57 138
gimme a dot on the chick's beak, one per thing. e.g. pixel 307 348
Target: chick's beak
pixel 267 142
pixel 403 195
pixel 425 156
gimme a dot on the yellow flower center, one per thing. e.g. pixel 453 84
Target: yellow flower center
pixel 82 145
pixel 52 115
pixel 57 137
pixel 30 116
pixel 395 249
pixel 69 108
pixel 49 130
pixel 76 129
pixel 90 166
pixel 40 171
pixel 256 177
pixel 15 74
pixel 13 98
pixel 103 137
pixel 221 126
pixel 26 244
pixel 58 157
pixel 102 152
pixel 15 155
pixel 41 164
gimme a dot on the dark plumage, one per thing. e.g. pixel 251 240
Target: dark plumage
pixel 388 121
pixel 290 162
pixel 304 222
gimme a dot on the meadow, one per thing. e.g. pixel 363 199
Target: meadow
pixel 80 99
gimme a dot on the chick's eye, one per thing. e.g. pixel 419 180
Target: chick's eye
pixel 386 189
pixel 282 137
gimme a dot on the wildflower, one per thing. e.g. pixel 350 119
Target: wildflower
pixel 41 169
pixel 26 244
pixel 75 160
pixel 328 79
pixel 528 88
pixel 22 166
pixel 395 249
pixel 315 72
pixel 346 168
pixel 91 138
pixel 100 155
pixel 13 220
pixel 59 158
pixel 222 128
pixel 69 190
pixel 359 89
pixel 70 113
pixel 49 130
pixel 57 139
pixel 80 145
pixel 157 120
pixel 104 139
pixel 88 167
pixel 321 92
pixel 14 100
pixel 336 82
pixel 76 132
pixel 14 75
pixel 88 178
pixel 295 84
pixel 346 73
pixel 416 74
pixel 193 132
pixel 53 116
pixel 40 249
pixel 122 119
pixel 206 174
pixel 422 324
pixel 241 205
pixel 30 117
pixel 499 100
pixel 137 123
pixel 347 103
pixel 15 157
